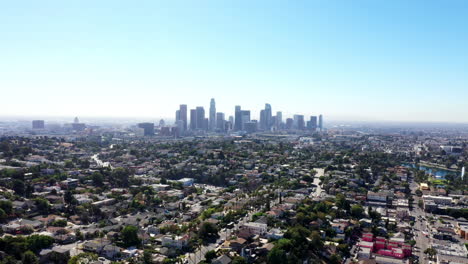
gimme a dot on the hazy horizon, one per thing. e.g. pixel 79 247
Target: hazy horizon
pixel 394 61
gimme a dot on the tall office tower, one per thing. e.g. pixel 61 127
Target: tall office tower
pixel 238 118
pixel 289 123
pixel 245 117
pixel 177 116
pixel 320 122
pixel 76 120
pixel 230 123
pixel 201 118
pixel 251 126
pixel 162 123
pixel 220 126
pixel 313 123
pixel 38 124
pixel 268 123
pixel 180 128
pixel 279 119
pixel 299 122
pixel 212 114
pixel 183 115
pixel 262 120
pixel 148 128
pixel 193 119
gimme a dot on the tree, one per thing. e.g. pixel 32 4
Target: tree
pixel 431 252
pixel 68 197
pixel 207 230
pixel 98 179
pixel 29 258
pixel 3 215
pixel 147 257
pixel 357 211
pixel 129 236
pixel 37 242
pixel 7 206
pixel 83 258
pixel 18 186
pixel 276 256
pixel 42 205
pixel 210 255
pixel 238 260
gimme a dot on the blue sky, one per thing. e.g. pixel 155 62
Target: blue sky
pixel 350 60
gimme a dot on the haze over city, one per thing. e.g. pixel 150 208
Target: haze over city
pixel 376 61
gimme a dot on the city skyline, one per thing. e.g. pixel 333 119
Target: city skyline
pixel 390 61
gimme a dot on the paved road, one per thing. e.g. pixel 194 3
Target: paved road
pixel 422 241
pixel 318 190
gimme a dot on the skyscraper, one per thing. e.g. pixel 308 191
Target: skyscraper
pixel 313 123
pixel 193 119
pixel 268 117
pixel 148 128
pixel 201 118
pixel 263 125
pixel 183 115
pixel 238 118
pixel 289 123
pixel 320 122
pixel 245 117
pixel 177 116
pixel 279 119
pixel 220 122
pixel 299 122
pixel 212 123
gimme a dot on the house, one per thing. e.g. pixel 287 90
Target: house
pixel 255 228
pixel 377 196
pixel 223 259
pixel 174 241
pixel 111 251
pixel 95 246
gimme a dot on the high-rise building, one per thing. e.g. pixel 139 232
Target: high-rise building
pixel 251 126
pixel 212 123
pixel 38 124
pixel 268 114
pixel 245 117
pixel 320 122
pixel 148 128
pixel 183 115
pixel 299 122
pixel 279 119
pixel 238 118
pixel 312 124
pixel 177 116
pixel 289 123
pixel 230 124
pixel 262 124
pixel 193 119
pixel 201 118
pixel 220 126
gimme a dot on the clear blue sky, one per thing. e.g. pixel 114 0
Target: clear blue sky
pixel 363 60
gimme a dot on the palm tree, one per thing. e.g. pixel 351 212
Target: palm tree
pixel 431 252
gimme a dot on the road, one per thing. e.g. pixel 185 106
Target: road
pixel 422 241
pixel 318 190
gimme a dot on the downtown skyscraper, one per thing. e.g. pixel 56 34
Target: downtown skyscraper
pixel 212 121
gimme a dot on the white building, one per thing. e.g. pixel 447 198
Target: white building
pixel 256 228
